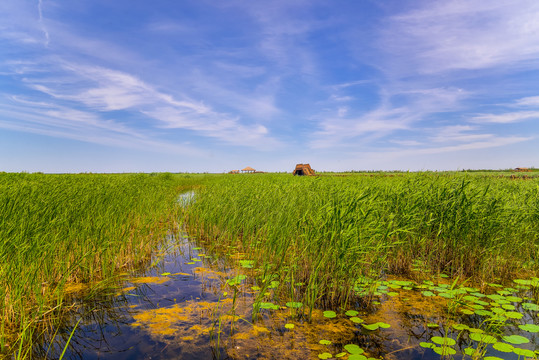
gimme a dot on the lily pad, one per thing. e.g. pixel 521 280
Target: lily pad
pixel 236 280
pixel 370 327
pixel 325 355
pixel 443 341
pixel 351 313
pixel 503 347
pixel 513 315
pixel 356 320
pixel 460 327
pixel 529 328
pixel 427 345
pixel 330 314
pixel 484 338
pixel 383 325
pixel 289 326
pixel 294 305
pixel 269 306
pixel 444 350
pixel 515 339
pixel 357 357
pixel 530 306
pixel 325 342
pixel 524 352
pixel 353 349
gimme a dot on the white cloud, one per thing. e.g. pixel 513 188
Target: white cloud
pixel 506 118
pixel 464 34
pixel 101 89
pixel 341 127
pixel 528 101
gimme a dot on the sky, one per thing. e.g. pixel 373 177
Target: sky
pixel 212 86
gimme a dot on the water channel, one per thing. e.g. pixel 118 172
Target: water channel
pixel 189 304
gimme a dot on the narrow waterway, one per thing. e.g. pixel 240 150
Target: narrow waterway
pixel 190 304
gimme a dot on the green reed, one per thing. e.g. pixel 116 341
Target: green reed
pixel 329 231
pixel 57 230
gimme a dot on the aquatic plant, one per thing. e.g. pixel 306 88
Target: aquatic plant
pixel 61 230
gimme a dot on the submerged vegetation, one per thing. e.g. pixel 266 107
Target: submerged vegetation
pixel 322 261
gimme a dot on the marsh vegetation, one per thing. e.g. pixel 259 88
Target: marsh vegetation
pixel 361 266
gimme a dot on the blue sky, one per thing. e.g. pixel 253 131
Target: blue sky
pixel 132 85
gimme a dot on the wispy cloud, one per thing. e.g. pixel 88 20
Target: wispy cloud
pixel 528 101
pixel 506 118
pixel 105 90
pixel 461 34
pixel 386 118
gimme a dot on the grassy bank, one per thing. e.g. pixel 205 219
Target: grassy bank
pixel 61 230
pixel 328 232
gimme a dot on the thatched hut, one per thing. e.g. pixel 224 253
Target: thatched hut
pixel 303 169
pixel 248 170
pixel 522 169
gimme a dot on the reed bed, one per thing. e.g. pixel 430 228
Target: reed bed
pixel 60 231
pixel 328 232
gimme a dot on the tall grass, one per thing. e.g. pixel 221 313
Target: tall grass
pixel 56 230
pixel 329 231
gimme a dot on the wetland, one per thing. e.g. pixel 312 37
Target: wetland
pixel 414 266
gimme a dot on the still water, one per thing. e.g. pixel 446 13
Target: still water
pixel 189 304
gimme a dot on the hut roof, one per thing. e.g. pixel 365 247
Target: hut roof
pixel 248 168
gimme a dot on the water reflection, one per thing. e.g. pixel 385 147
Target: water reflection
pixel 183 308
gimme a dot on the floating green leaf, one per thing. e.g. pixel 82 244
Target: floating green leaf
pixel 460 327
pixel 356 320
pixel 351 313
pixel 503 347
pixel 268 305
pixel 428 293
pixel 330 314
pixel 484 338
pixel 530 306
pixel 236 280
pixel 515 339
pixel 383 325
pixel 295 305
pixel 514 315
pixel 353 349
pixel 325 356
pixel 370 327
pixel 289 326
pixel 443 341
pixel 529 328
pixel 358 357
pixel 444 350
pixel 325 342
pixel 427 345
pixel 524 352
pixel 433 325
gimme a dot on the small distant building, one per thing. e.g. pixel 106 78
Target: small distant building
pixel 234 172
pixel 303 169
pixel 248 170
pixel 522 169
